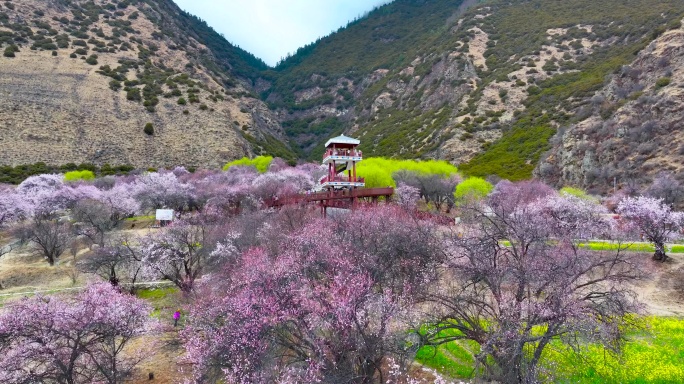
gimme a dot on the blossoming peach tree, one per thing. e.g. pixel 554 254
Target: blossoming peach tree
pixel 83 338
pixel 516 278
pixel 332 305
pixel 654 219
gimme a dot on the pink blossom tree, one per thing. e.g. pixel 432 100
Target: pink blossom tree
pixel 433 188
pixel 277 165
pixel 407 196
pixel 654 219
pixel 227 193
pixel 77 339
pixel 101 212
pixel 179 253
pixel 12 207
pixel 513 298
pixel 330 305
pixel 43 193
pixel 508 196
pixel 287 181
pixel 162 190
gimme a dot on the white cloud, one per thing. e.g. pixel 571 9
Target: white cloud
pixel 270 29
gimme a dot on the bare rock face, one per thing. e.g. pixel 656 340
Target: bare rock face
pixel 60 108
pixel 633 127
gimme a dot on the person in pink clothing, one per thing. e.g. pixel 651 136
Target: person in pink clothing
pixel 176 317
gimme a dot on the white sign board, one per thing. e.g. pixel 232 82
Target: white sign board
pixel 164 214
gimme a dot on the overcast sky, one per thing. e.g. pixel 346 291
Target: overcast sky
pixel 270 29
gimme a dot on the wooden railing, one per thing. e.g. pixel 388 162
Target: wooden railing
pixel 326 196
pixel 343 152
pixel 342 179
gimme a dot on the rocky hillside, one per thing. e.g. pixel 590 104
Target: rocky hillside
pixel 631 129
pixel 483 84
pixel 80 80
pixel 581 92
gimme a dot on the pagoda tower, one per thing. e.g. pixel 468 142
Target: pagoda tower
pixel 341 155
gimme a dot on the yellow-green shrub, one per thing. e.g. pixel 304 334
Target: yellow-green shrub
pixel 378 171
pixel 79 175
pixel 261 163
pixel 473 188
pixel 576 192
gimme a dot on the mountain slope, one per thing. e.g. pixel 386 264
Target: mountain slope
pixel 631 130
pixel 493 86
pixel 485 85
pixel 80 79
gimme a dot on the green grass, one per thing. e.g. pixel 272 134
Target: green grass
pixel 654 355
pixel 454 359
pixel 135 218
pixel 155 294
pixel 629 247
pixel 163 299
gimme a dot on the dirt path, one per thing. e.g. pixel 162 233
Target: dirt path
pixel 662 292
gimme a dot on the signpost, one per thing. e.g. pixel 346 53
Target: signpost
pixel 164 216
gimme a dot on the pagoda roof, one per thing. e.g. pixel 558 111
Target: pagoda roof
pixel 342 139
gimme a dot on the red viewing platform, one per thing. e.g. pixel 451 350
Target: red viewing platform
pixel 342 188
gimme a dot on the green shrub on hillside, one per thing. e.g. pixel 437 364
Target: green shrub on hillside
pixel 10 50
pixel 115 85
pixel 309 134
pixel 133 94
pixel 662 82
pixel 149 129
pixel 261 163
pixel 92 60
pixel 514 156
pixel 79 175
pixel 271 146
pixel 404 133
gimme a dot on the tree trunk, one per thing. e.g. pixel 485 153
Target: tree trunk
pixel 659 254
pixel 509 364
pixel 367 370
pixel 113 279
